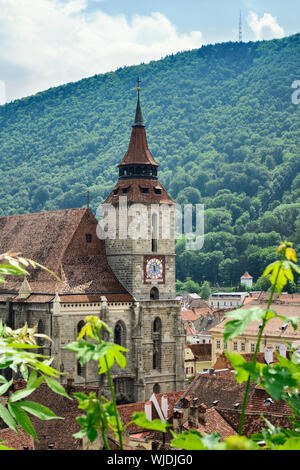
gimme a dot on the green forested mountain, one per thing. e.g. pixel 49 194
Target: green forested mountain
pixel 221 124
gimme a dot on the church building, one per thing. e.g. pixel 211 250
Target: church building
pixel 127 280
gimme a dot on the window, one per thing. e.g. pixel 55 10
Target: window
pixel 156 335
pixel 116 191
pixel 154 293
pixel 154 233
pixel 235 346
pixel 144 190
pixel 88 237
pixel 218 344
pixel 157 190
pixel 252 347
pixel 125 190
pixel 157 325
pixel 120 334
pixel 80 369
pixel 156 388
pixel 242 346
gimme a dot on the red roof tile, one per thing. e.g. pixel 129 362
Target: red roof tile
pixel 138 150
pixel 188 315
pixel 57 240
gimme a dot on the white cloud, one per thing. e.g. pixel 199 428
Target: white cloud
pixel 266 27
pixel 45 43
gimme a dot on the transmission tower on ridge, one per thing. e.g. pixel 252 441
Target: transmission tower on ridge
pixel 240 28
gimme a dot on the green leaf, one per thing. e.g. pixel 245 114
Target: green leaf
pixel 20 394
pixel 239 443
pixel 8 418
pixel 22 419
pixel 292 443
pixel 210 441
pixel 188 440
pixel 139 418
pixel 5 387
pixel 243 368
pixel 239 319
pixel 40 411
pixel 276 379
pixel 57 387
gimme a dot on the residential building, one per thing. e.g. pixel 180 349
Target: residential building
pixel 246 279
pixel 275 335
pixel 227 300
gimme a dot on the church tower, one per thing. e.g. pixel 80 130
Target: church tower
pixel 141 250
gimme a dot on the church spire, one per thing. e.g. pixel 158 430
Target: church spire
pixel 138 121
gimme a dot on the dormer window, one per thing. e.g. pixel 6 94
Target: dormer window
pixel 88 237
pixel 144 190
pixel 157 190
pixel 125 190
pixel 116 191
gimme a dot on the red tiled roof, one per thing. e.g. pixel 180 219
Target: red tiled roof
pixel 188 315
pixel 273 326
pixel 202 352
pixel 224 363
pixel 57 240
pixel 214 423
pixel 222 387
pixel 246 275
pixel 138 150
pixel 20 441
pixel 253 421
pixel 257 404
pixel 189 330
pixel 126 411
pixel 134 193
pixel 57 432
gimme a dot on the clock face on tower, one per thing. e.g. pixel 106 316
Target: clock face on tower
pixel 154 269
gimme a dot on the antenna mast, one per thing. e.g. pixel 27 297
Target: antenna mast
pixel 240 28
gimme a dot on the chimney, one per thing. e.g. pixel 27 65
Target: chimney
pixel 177 421
pixel 282 350
pixel 70 384
pixel 202 413
pixel 148 411
pixel 268 351
pixel 185 402
pixel 164 406
pixel 155 445
pixel 193 414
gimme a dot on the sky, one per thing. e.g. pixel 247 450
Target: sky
pixel 46 43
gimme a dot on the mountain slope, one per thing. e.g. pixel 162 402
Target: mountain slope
pixel 220 122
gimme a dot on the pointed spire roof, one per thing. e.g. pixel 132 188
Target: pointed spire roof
pixel 138 121
pixel 138 151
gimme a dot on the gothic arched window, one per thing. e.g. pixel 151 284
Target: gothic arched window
pixel 80 368
pixel 156 336
pixel 120 334
pixel 40 330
